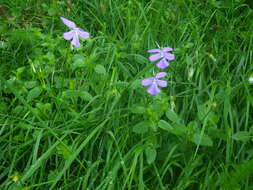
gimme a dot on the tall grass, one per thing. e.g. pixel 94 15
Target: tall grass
pixel 80 119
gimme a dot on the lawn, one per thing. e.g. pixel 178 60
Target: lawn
pixel 108 114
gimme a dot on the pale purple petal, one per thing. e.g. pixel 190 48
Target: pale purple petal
pixel 154 51
pixel 160 75
pixel 161 83
pixel 162 64
pixel 169 56
pixel 155 57
pixel 83 34
pixel 153 89
pixel 75 41
pixel 68 35
pixel 147 81
pixel 68 23
pixel 165 49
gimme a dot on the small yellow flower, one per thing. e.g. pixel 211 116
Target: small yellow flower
pixel 214 105
pixel 15 178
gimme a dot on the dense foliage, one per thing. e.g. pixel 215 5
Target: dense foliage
pixel 79 118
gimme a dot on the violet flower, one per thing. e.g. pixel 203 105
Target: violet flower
pixel 163 56
pixel 154 82
pixel 74 33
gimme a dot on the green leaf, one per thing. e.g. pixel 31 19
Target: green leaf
pixel 34 93
pixel 234 178
pixel 86 96
pixel 203 140
pixel 77 93
pixel 79 63
pixel 100 69
pixel 64 151
pixel 52 174
pixel 203 111
pixel 141 127
pixel 243 136
pixel 44 107
pixel 30 84
pixel 188 60
pixel 176 129
pixel 171 115
pixel 135 84
pixel 59 82
pixel 150 155
pixel 165 125
pixel 138 109
pixel 218 133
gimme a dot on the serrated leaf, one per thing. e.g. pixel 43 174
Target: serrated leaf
pixel 150 155
pixel 34 93
pixel 100 69
pixel 203 140
pixel 243 136
pixel 141 127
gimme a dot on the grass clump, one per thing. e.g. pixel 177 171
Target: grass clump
pixel 80 119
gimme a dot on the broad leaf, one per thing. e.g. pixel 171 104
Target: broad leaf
pixel 141 127
pixel 150 155
pixel 77 93
pixel 100 69
pixel 34 93
pixel 165 125
pixel 171 115
pixel 243 136
pixel 203 140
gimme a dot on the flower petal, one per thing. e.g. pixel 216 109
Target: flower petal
pixel 147 81
pixel 75 41
pixel 154 51
pixel 160 75
pixel 155 57
pixel 162 64
pixel 153 89
pixel 161 83
pixel 165 49
pixel 169 56
pixel 68 35
pixel 83 34
pixel 68 23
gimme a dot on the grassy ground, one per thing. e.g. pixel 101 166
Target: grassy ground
pixel 80 119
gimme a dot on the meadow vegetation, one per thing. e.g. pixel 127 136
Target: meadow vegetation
pixel 79 118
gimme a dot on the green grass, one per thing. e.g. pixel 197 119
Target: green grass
pixel 80 119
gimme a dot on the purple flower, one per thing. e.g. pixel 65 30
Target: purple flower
pixel 74 33
pixel 154 82
pixel 163 56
